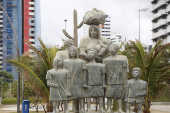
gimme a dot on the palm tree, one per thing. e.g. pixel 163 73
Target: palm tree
pixel 154 65
pixel 35 68
pixel 5 79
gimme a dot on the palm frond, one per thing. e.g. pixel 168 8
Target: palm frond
pixel 37 81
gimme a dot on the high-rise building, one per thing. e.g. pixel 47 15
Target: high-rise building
pixel 106 29
pixel 10 33
pixel 1 37
pixel 117 39
pixel 31 24
pixel 161 20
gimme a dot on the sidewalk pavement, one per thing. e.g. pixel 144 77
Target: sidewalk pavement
pixel 154 108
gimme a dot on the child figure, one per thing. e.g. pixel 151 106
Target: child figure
pixel 136 91
pixel 76 69
pixel 95 75
pixel 57 80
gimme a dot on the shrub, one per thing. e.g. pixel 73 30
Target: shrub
pixel 9 100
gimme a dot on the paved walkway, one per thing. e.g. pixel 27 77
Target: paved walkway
pixel 163 108
pixel 154 108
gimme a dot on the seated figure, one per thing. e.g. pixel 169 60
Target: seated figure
pixel 136 91
pixel 95 41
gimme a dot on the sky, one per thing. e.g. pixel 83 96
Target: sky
pixel 123 13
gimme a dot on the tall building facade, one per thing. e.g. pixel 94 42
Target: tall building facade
pixel 10 33
pixel 117 39
pixel 1 36
pixel 161 20
pixel 32 28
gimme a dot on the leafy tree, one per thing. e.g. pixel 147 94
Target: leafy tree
pixel 35 68
pixel 5 79
pixel 154 65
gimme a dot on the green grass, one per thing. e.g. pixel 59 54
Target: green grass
pixel 9 101
pixel 164 95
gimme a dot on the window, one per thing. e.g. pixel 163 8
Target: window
pixel 9 51
pixel 9 42
pixel 9 30
pixel 9 36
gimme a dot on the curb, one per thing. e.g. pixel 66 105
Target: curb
pixel 160 103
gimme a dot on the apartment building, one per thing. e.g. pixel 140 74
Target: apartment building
pixel 161 20
pixel 32 28
pixel 10 34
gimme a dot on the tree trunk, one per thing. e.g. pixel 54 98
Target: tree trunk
pixel 49 107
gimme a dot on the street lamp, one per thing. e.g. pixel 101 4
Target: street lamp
pixel 139 13
pixel 65 23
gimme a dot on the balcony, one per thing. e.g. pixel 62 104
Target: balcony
pixel 153 1
pixel 161 22
pixel 162 12
pixel 168 29
pixel 1 57
pixel 31 8
pixel 168 8
pixel 1 21
pixel 32 40
pixel 168 18
pixel 159 4
pixel 168 38
pixel 160 33
pixel 31 13
pixel 31 3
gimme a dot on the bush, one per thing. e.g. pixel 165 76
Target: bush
pixel 9 101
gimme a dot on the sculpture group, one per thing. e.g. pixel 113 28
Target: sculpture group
pixel 94 73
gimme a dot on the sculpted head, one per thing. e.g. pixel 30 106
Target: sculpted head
pixel 94 32
pixel 136 72
pixel 91 53
pixel 113 49
pixel 58 62
pixel 73 52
